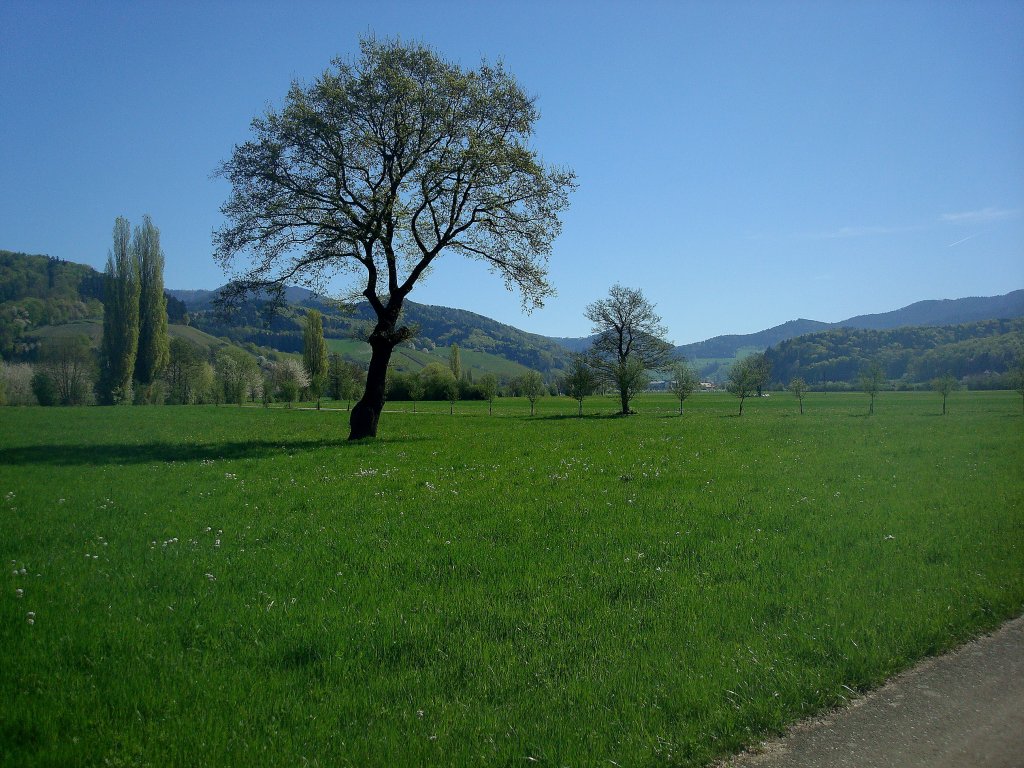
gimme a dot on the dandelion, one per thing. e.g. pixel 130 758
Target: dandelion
pixel 19 592
pixel 31 617
pixel 211 577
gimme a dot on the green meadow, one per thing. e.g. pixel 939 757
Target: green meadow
pixel 204 586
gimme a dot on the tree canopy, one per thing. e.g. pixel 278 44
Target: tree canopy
pixel 377 168
pixel 628 342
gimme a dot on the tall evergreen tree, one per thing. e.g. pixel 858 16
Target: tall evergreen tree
pixel 120 318
pixel 314 353
pixel 154 346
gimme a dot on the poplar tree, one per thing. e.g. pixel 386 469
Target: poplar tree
pixel 455 362
pixel 314 353
pixel 120 318
pixel 154 345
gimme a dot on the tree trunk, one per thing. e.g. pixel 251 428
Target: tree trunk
pixel 625 403
pixel 801 406
pixel 581 407
pixel 741 406
pixel 364 416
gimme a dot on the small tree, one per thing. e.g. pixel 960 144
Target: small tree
pixel 17 379
pixel 944 385
pixel 67 362
pixel 237 373
pixel 872 379
pixel 761 370
pixel 742 380
pixel 290 378
pixel 799 388
pixel 417 389
pixel 184 372
pixel 44 388
pixel 533 388
pixel 684 382
pixel 579 380
pixel 489 389
pixel 628 342
pixel 451 393
pixel 314 354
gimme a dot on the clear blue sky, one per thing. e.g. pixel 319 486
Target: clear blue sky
pixel 743 163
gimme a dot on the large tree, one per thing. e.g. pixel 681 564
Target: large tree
pixel 628 342
pixel 120 318
pixel 154 346
pixel 377 168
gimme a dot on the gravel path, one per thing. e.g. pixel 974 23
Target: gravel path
pixel 961 710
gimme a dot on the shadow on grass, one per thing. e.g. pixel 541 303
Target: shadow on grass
pixel 123 453
pixel 574 417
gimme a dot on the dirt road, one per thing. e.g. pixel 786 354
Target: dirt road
pixel 961 710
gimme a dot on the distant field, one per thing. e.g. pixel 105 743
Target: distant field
pixel 225 586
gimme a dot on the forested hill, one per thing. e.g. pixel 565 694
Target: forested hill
pixel 437 327
pixel 980 353
pixel 38 291
pixel 726 346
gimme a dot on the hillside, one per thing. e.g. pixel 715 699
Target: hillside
pixel 486 345
pixel 40 292
pixel 980 353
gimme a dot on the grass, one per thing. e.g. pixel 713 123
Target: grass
pixel 215 586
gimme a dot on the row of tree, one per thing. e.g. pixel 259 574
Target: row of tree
pixel 135 347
